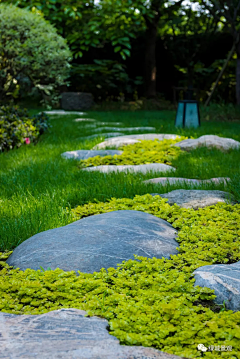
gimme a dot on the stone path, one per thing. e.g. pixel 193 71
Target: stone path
pixel 84 120
pixel 157 167
pixel 181 180
pixel 62 112
pixel 84 154
pixel 65 334
pixel 108 134
pixel 125 129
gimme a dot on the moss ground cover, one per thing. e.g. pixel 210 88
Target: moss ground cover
pixel 39 190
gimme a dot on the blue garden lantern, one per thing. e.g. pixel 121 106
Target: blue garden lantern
pixel 188 112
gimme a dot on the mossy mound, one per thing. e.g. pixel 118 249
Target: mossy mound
pixel 148 302
pixel 142 152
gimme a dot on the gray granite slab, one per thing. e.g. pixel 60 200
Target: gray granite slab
pixel 84 154
pixel 65 334
pixel 125 129
pixel 180 180
pixel 132 168
pixel 95 242
pixel 100 135
pixel 84 120
pixel 210 141
pixel 62 112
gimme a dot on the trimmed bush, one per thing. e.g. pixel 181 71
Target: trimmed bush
pixel 17 127
pixel 30 46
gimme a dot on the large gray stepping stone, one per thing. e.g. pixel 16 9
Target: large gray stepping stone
pixel 62 112
pixel 84 120
pixel 180 180
pixel 224 279
pixel 125 129
pixel 109 134
pixel 132 168
pixel 196 198
pixel 95 242
pixel 110 123
pixel 84 154
pixel 210 141
pixel 131 139
pixel 65 334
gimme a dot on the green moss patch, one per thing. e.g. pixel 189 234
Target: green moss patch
pixel 148 302
pixel 142 152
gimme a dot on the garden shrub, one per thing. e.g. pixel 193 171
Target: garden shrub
pixel 30 46
pixel 142 152
pixel 147 301
pixel 17 127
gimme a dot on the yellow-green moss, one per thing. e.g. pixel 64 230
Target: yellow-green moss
pixel 148 302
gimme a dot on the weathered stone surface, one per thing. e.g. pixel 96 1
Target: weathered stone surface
pixel 210 141
pixel 130 139
pixel 76 100
pixel 84 120
pixel 95 242
pixel 65 334
pixel 84 154
pixel 132 168
pixel 180 180
pixel 224 279
pixel 108 134
pixel 62 112
pixel 110 123
pixel 125 129
pixel 196 198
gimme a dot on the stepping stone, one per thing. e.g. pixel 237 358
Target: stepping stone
pixel 110 123
pixel 100 135
pixel 92 125
pixel 65 334
pixel 180 180
pixel 98 241
pixel 84 154
pixel 62 112
pixel 84 119
pixel 224 279
pixel 196 198
pixel 125 129
pixel 160 167
pixel 210 141
pixel 131 139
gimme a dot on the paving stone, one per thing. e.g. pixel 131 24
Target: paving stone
pixel 84 154
pixel 98 241
pixel 130 139
pixel 65 334
pixel 210 141
pixel 62 112
pixel 110 123
pixel 125 129
pixel 180 180
pixel 196 198
pixel 224 279
pixel 108 134
pixel 132 168
pixel 84 120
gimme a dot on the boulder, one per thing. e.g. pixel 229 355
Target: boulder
pixel 76 100
pixel 210 141
pixel 62 112
pixel 180 180
pixel 196 198
pixel 157 167
pixel 65 334
pixel 224 279
pixel 98 241
pixel 130 139
pixel 125 129
pixel 100 135
pixel 84 154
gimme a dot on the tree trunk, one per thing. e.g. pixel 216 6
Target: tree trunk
pixel 150 60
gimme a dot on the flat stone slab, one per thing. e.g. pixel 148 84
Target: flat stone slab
pixel 98 241
pixel 62 112
pixel 180 180
pixel 130 139
pixel 224 279
pixel 110 123
pixel 84 154
pixel 210 141
pixel 132 168
pixel 65 334
pixel 84 120
pixel 196 198
pixel 109 134
pixel 125 129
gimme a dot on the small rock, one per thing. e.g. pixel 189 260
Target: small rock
pixel 196 198
pixel 84 154
pixel 180 180
pixel 158 167
pixel 98 241
pixel 131 139
pixel 62 112
pixel 224 279
pixel 210 141
pixel 65 334
pixel 100 135
pixel 125 129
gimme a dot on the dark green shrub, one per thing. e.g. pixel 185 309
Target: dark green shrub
pixel 17 127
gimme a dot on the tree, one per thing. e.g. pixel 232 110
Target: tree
pixel 29 45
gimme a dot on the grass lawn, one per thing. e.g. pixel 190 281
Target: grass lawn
pixel 37 184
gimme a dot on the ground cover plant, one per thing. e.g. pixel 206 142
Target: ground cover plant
pixel 40 191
